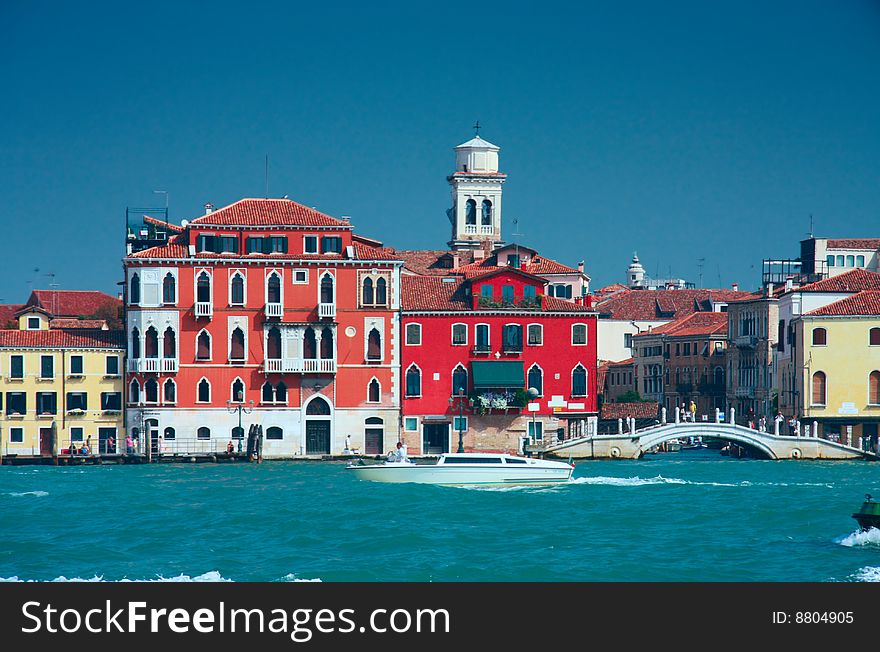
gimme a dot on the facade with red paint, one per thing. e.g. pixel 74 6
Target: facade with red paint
pixel 494 334
pixel 268 304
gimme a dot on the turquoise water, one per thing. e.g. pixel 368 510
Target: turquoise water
pixel 691 516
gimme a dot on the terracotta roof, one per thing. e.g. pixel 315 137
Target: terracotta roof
pixel 63 339
pixel 366 252
pixel 176 248
pixel 173 228
pixel 537 265
pixel 620 363
pixel 71 303
pixel 68 323
pixel 852 281
pixel 624 410
pixel 7 312
pixel 268 212
pixel 608 290
pixel 695 324
pixel 432 293
pixel 854 243
pixel 866 302
pixel 657 305
pixel 427 262
pixel 554 304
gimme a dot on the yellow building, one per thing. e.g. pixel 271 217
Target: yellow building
pixel 61 380
pixel 838 369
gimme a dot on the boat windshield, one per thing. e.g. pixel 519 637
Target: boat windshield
pixel 472 460
pixel 515 460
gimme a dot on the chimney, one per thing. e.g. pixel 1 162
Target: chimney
pixel 735 287
pixel 789 285
pixel 209 208
pixel 456 260
pixel 581 267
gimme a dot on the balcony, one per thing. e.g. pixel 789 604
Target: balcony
pixel 151 365
pixel 481 349
pixel 204 309
pixel 511 348
pixel 470 229
pixel 745 392
pixel 300 365
pixel 746 341
pixel 327 310
pixel 487 230
pixel 274 310
pixel 169 365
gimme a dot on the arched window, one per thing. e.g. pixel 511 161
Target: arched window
pixel 151 343
pixel 327 288
pixel 326 344
pixel 579 381
pixel 819 388
pixel 169 433
pixel 274 433
pixel 203 288
pixel 135 343
pixel 318 407
pixel 874 337
pixel 169 391
pixel 134 392
pixel 374 345
pixel 237 391
pixel 536 379
pixel 281 392
pixel 267 392
pixel 459 380
pixel 368 298
pixel 273 343
pixel 874 388
pixel 487 213
pixel 134 295
pixel 169 343
pixel 151 391
pixel 719 376
pixel 169 289
pixel 203 346
pixel 236 344
pixel 310 344
pixel 236 290
pixel 381 292
pixel 820 337
pixel 413 381
pixel 273 288
pixel 204 391
pixel 470 215
pixel 374 392
pixel 203 433
pixel 413 334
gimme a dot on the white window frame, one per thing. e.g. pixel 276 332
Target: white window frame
pixel 244 331
pixel 586 381
pixel 407 421
pixel 82 365
pixel 421 381
pixel 269 272
pixel 107 373
pixel 134 381
pixel 317 244
pixel 452 334
pixel 82 433
pixel 293 274
pixel 335 288
pixel 210 346
pixel 534 428
pixel 39 323
pixel 210 391
pixel 163 273
pixel 488 334
pixel 586 335
pixel 368 391
pixel 54 367
pixel 232 398
pixel 196 274
pixel 232 274
pixel 24 366
pixel 162 389
pixel 540 330
pixel 455 422
pixel 158 391
pixel 543 377
pixel 406 328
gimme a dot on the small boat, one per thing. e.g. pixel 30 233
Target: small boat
pixel 468 469
pixel 869 515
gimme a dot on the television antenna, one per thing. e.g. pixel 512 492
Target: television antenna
pixel 700 263
pixel 515 235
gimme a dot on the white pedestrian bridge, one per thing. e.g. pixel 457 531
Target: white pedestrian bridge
pixel 632 443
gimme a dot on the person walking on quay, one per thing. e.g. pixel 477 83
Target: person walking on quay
pixel 129 445
pixel 762 423
pixel 110 445
pixel 692 408
pixel 88 445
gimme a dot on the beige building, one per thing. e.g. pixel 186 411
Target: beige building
pixel 752 332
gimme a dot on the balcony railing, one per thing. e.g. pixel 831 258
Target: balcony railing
pixel 746 341
pixel 152 365
pixel 301 365
pixel 204 309
pixel 470 229
pixel 745 392
pixel 326 310
pixel 481 349
pixel 512 347
pixel 487 230
pixel 274 310
pixel 169 365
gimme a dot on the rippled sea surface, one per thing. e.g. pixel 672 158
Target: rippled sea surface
pixel 690 516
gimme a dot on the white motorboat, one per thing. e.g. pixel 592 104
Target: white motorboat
pixel 468 469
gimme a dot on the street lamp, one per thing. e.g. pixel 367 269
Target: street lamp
pixel 239 406
pixel 461 397
pixel 533 394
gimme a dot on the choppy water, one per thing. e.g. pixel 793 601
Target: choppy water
pixel 693 516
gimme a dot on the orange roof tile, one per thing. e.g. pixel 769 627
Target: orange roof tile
pixel 68 323
pixel 854 243
pixel 63 339
pixel 71 303
pixel 268 212
pixel 865 303
pixel 658 305
pixel 853 281
pixel 7 312
pixel 695 324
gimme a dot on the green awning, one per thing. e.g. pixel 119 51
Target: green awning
pixel 501 373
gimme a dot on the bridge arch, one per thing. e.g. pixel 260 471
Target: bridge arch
pixel 725 431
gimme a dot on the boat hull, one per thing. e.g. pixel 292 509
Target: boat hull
pixel 469 475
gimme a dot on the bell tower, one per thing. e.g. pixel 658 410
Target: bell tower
pixel 476 195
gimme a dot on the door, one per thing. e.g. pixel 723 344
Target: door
pixel 104 437
pixel 152 432
pixel 436 436
pixel 317 437
pixel 374 441
pixel 47 446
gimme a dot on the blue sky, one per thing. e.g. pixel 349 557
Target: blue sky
pixel 682 130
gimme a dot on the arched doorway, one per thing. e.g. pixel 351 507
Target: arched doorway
pixel 319 422
pixel 151 431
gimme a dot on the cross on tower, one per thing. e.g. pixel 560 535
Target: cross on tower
pixel 476 129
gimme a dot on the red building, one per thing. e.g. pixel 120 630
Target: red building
pixel 493 333
pixel 268 304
